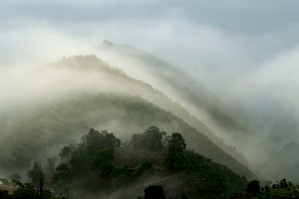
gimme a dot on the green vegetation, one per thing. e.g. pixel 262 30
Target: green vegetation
pixel 89 166
pixel 61 118
pixel 57 124
pixel 281 190
pixel 175 159
pixel 93 166
pixel 100 164
pixel 26 191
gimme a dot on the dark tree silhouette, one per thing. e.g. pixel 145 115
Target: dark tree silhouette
pixel 154 192
pixel 37 175
pixel 174 159
pixel 283 183
pixel 253 187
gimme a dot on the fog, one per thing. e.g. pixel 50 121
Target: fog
pixel 243 52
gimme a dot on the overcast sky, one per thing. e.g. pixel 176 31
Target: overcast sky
pixel 229 33
pixel 244 51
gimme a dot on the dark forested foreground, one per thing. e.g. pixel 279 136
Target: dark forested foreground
pixel 151 165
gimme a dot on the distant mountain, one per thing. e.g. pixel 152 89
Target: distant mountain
pixel 188 91
pixel 124 111
pixel 234 127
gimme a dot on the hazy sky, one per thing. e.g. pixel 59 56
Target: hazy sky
pixel 244 51
pixel 194 34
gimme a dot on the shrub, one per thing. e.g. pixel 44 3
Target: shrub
pixel 253 187
pixel 154 192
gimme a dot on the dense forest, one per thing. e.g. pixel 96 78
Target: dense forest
pixel 100 165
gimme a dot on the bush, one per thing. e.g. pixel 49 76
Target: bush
pixel 253 187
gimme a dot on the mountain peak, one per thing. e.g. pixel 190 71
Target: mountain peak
pixel 107 44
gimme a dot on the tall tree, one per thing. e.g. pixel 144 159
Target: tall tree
pixel 37 175
pixel 150 139
pixel 174 159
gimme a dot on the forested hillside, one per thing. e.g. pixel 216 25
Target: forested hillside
pixel 99 165
pixel 105 79
pixel 117 81
pixel 149 100
pixel 125 114
pixel 189 89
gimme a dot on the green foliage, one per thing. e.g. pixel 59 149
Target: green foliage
pixel 62 173
pixel 253 187
pixel 92 168
pixel 151 139
pixel 96 140
pixel 267 188
pixel 91 163
pixel 207 178
pixel 283 183
pixel 4 194
pixel 65 151
pixel 102 156
pixel 124 175
pixel 280 191
pixel 34 173
pixel 175 158
pixel 276 192
pixel 26 191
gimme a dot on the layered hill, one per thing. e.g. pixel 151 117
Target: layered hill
pixel 219 118
pixel 129 109
pixel 188 91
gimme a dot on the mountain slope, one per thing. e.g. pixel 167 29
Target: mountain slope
pixel 125 114
pixel 62 113
pixel 191 93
